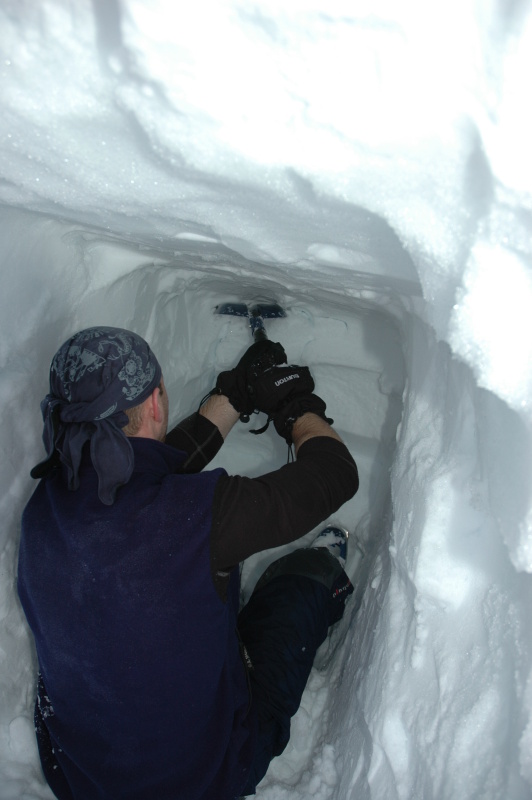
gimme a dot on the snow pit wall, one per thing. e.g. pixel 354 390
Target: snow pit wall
pixel 117 124
pixel 431 682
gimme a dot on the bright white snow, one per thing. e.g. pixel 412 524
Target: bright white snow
pixel 366 165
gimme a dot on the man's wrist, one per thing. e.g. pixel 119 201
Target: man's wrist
pixel 310 425
pixel 220 412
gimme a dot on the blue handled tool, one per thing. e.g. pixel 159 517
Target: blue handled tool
pixel 256 314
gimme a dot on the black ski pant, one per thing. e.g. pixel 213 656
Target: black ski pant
pixel 283 624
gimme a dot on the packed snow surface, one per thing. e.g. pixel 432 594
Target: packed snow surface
pixel 367 166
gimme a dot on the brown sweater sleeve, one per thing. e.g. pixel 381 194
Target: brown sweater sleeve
pixel 253 514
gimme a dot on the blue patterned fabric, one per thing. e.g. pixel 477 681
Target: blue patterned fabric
pixel 94 377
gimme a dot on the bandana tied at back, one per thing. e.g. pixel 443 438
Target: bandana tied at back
pixel 94 377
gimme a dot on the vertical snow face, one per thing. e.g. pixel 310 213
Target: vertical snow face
pixel 155 161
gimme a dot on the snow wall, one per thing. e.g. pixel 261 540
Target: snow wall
pixel 367 165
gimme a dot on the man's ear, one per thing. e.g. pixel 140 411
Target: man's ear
pixel 156 405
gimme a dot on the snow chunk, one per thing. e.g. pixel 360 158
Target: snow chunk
pixel 490 326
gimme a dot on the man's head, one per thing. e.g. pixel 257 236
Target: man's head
pixel 102 371
pixel 96 378
pixel 150 418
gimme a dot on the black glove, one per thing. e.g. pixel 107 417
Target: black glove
pixel 278 385
pixel 284 418
pixel 237 384
pixel 286 393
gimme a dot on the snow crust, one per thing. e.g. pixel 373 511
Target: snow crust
pixel 367 166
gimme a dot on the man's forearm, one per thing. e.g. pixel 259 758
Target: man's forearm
pixel 220 412
pixel 308 426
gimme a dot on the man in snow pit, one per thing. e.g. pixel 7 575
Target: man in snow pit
pixel 152 685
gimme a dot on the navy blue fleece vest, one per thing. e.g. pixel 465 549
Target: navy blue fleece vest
pixel 143 692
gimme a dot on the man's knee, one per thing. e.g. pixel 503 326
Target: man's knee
pixel 314 563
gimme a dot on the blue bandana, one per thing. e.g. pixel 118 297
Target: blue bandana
pixel 94 376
